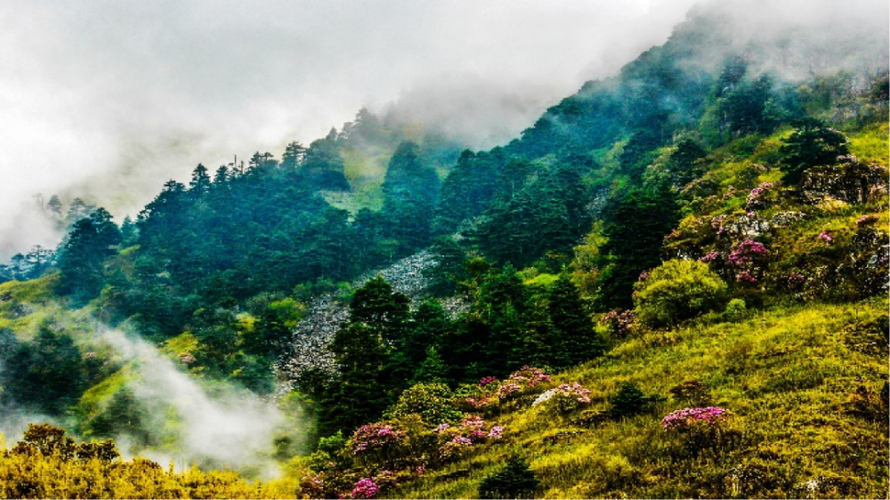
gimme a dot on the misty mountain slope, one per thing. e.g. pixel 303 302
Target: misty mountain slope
pixel 708 227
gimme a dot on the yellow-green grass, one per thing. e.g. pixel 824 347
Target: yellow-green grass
pixel 787 375
pixel 872 143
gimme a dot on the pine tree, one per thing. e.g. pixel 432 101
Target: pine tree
pixel 572 339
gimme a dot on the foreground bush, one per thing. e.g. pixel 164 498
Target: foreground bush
pixel 48 464
pixel 678 290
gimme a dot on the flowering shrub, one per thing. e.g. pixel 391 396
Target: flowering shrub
pixel 570 397
pixel 455 439
pixel 757 197
pixel 866 220
pixel 795 280
pixel 620 324
pixel 710 257
pixel 365 488
pixel 687 418
pixel 487 380
pixel 508 388
pixel 521 382
pixel 746 277
pixel 747 251
pixel 481 403
pixel 566 398
pixel 375 437
pixel 700 428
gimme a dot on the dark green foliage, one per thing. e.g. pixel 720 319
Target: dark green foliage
pixel 630 401
pixel 432 368
pixel 365 385
pixel 322 166
pixel 46 374
pixel 83 257
pixel 331 454
pixel 571 339
pixel 376 305
pixel 881 90
pixel 639 152
pixel 410 192
pixel 682 162
pixel 515 480
pixel 812 144
pixel 548 215
pixel 742 105
pixel 360 392
pixel 416 357
pixel 469 187
pixel 635 223
pixel 449 270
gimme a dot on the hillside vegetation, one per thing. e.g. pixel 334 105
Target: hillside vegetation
pixel 673 284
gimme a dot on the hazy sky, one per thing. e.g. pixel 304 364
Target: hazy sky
pixel 112 98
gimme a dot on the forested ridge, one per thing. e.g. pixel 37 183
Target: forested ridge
pixel 674 283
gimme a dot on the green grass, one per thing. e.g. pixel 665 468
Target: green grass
pixel 871 144
pixel 788 375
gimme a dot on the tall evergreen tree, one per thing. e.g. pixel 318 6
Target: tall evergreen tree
pixel 572 339
pixel 635 223
pixel 83 257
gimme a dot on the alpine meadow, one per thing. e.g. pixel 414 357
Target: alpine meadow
pixel 561 250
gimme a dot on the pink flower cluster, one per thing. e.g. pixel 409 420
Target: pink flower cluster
pixel 455 439
pixel 746 277
pixel 365 488
pixel 866 219
pixel 619 322
pixel 574 391
pixel 375 436
pixel 481 402
pixel 487 380
pixel 826 237
pixel 519 381
pixel 710 257
pixel 688 417
pixel 759 191
pixel 746 251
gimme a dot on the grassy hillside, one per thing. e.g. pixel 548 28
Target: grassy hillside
pixel 803 384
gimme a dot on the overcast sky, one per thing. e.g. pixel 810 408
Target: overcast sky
pixel 112 98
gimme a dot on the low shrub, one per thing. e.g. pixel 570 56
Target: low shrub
pixel 515 480
pixel 630 401
pixel 678 290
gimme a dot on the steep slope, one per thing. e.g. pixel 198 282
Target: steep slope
pixel 806 387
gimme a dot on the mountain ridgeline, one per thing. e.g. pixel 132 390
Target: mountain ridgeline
pixel 715 180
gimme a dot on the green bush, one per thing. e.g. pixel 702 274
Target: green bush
pixel 433 402
pixel 630 401
pixel 678 290
pixel 736 309
pixel 515 480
